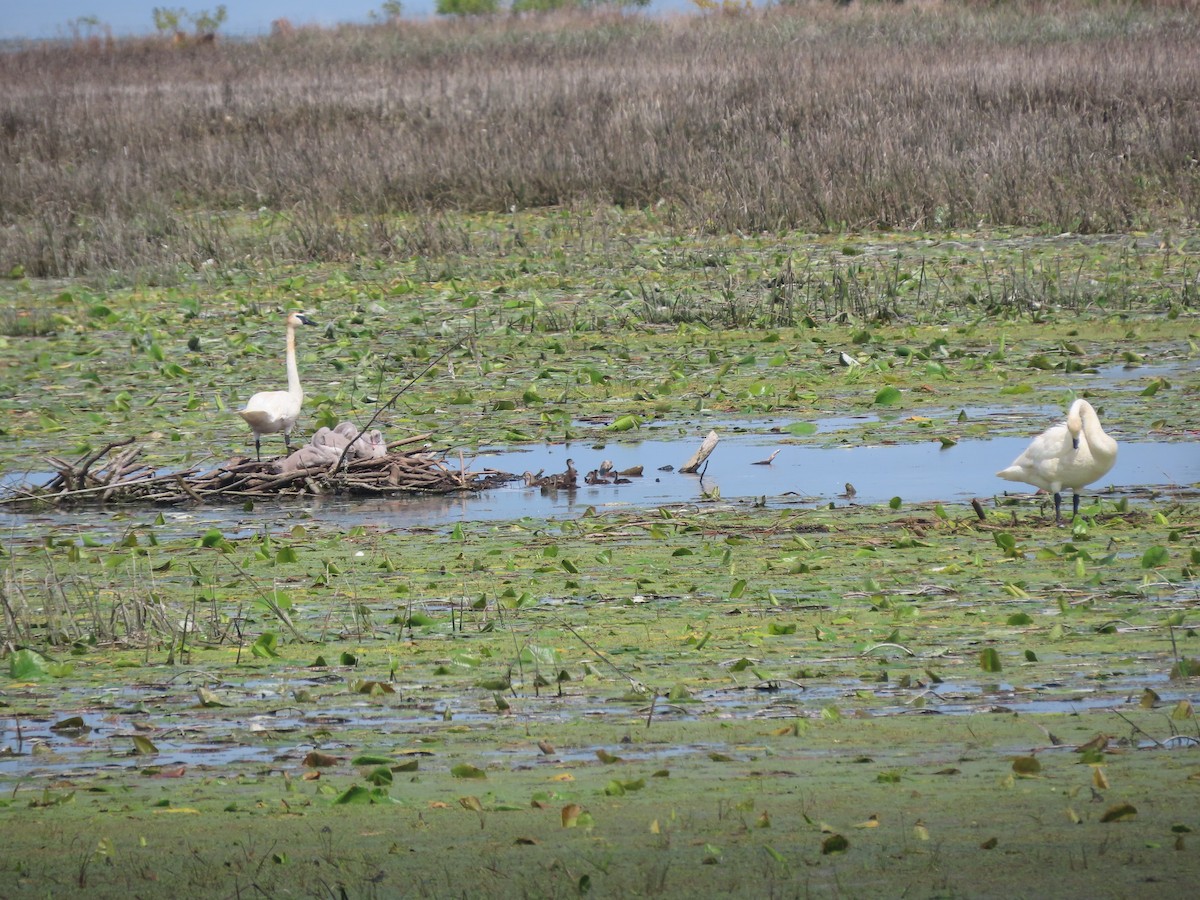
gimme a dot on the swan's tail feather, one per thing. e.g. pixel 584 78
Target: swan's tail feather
pixel 255 417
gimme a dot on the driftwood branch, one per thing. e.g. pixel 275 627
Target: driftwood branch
pixel 81 469
pixel 706 447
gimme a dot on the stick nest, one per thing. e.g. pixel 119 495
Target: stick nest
pixel 113 474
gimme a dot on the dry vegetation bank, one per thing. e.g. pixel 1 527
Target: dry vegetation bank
pixel 126 158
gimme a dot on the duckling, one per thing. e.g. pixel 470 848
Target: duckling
pixel 562 481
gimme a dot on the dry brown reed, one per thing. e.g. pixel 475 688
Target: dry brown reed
pixel 138 156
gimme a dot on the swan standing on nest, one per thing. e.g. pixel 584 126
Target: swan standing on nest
pixel 1069 455
pixel 270 412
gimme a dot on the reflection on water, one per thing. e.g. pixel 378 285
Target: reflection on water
pixel 919 472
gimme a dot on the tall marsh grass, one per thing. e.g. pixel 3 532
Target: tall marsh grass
pixel 140 156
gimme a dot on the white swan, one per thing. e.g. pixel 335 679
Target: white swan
pixel 270 412
pixel 1069 455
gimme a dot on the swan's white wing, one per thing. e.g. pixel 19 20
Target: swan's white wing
pixel 270 411
pixel 1043 461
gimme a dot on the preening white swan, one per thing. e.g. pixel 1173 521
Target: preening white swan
pixel 270 412
pixel 1069 455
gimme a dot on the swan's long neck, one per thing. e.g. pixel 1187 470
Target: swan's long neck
pixel 1100 443
pixel 293 373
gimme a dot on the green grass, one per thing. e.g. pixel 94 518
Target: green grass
pixel 667 329
pixel 689 721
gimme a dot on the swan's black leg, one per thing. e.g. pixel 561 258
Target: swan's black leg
pixel 1076 514
pixel 258 447
pixel 1057 508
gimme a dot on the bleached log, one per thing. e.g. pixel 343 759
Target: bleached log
pixel 706 447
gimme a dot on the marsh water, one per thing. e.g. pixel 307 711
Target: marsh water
pixel 799 473
pixel 189 735
pixel 918 473
pixel 845 462
pixel 819 468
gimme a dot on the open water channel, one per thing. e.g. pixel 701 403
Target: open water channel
pixel 799 474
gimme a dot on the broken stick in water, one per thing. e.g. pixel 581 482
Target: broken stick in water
pixel 706 447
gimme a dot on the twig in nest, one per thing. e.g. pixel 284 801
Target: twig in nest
pixel 396 396
pixel 86 463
